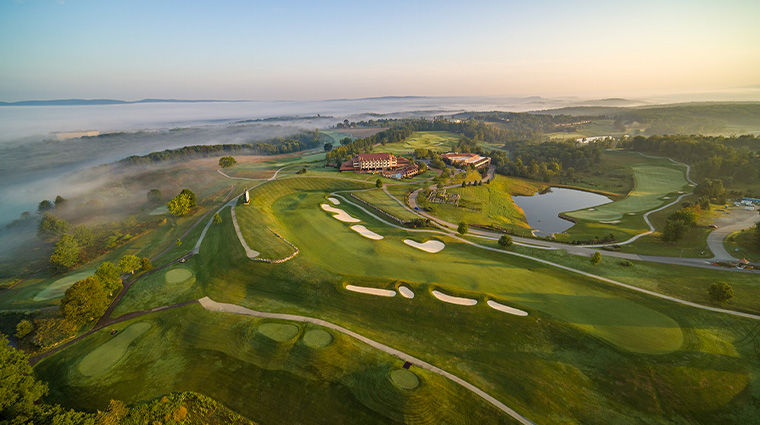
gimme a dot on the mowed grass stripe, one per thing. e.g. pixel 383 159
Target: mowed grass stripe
pixel 256 220
pixel 652 184
pixel 333 245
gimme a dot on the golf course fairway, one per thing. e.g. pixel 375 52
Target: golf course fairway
pixel 616 319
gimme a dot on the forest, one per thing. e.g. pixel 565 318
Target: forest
pixel 713 157
pixel 299 142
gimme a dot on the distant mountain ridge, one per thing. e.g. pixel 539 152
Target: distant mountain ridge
pixel 85 102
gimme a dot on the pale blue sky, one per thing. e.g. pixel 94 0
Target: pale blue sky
pixel 340 49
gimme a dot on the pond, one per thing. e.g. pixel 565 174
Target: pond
pixel 542 210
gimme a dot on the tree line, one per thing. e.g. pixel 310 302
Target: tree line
pixel 712 157
pixel 299 142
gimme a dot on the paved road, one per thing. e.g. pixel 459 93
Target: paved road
pixel 741 220
pixel 211 305
pixel 581 250
pixel 560 266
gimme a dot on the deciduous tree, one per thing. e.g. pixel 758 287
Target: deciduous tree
pixel 190 196
pixel 227 161
pixel 721 292
pixel 154 195
pixel 180 205
pixel 146 265
pixel 51 227
pixel 24 328
pixel 65 255
pixel 85 301
pixel 463 228
pixel 109 276
pixel 505 241
pixel 596 258
pixel 129 263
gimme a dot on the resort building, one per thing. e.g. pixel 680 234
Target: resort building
pixel 464 159
pixel 388 165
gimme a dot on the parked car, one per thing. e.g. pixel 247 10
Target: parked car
pixel 713 226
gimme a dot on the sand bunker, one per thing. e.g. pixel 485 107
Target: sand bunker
pixel 371 291
pixel 358 228
pixel 405 292
pixel 317 338
pixel 103 358
pixel 609 221
pixel 429 246
pixel 405 379
pixel 340 214
pixel 501 307
pixel 454 300
pixel 59 287
pixel 666 197
pixel 335 201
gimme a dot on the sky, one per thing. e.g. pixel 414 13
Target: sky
pixel 304 50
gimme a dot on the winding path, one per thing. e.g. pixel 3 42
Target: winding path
pixel 214 306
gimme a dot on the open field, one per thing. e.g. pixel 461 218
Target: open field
pixel 432 140
pixel 489 204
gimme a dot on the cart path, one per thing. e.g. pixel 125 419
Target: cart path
pixel 214 306
pixel 454 235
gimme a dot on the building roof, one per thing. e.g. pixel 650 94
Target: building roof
pixel 374 156
pixel 347 166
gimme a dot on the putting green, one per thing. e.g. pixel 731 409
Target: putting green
pixel 59 287
pixel 107 355
pixel 279 331
pixel 653 183
pixel 405 379
pixel 178 275
pixel 317 338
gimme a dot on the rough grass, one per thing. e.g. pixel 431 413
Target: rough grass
pixel 743 244
pixel 489 204
pixel 380 199
pixel 652 184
